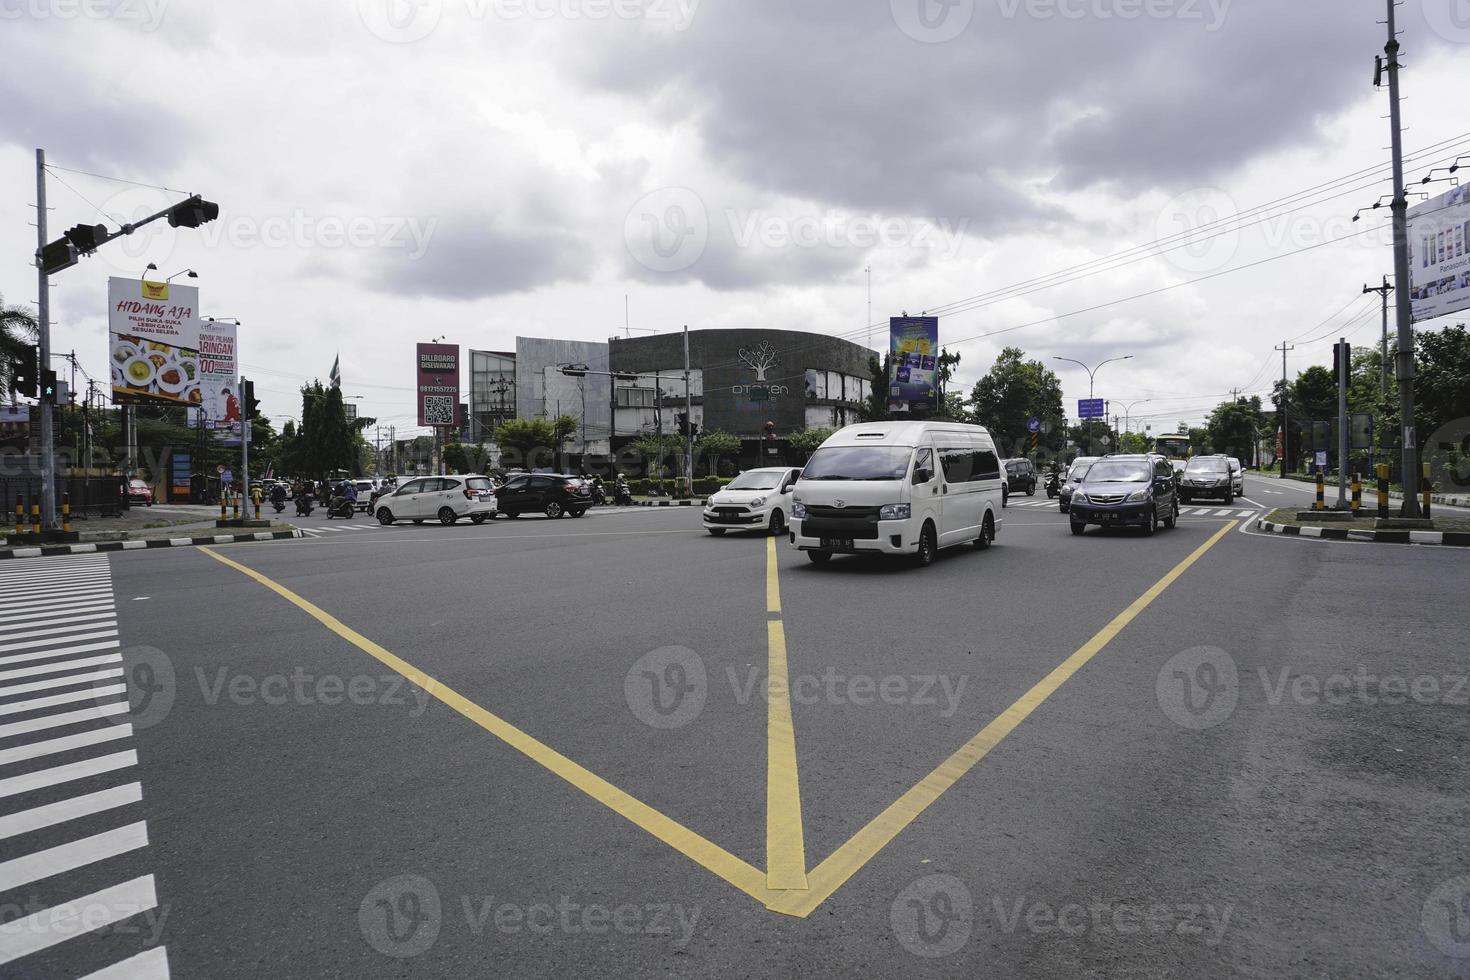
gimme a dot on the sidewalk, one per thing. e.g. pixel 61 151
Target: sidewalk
pixel 1370 488
pixel 160 526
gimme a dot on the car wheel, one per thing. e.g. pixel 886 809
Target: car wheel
pixel 1152 524
pixel 987 534
pixel 927 547
pixel 478 518
pixel 416 520
pixel 1184 498
pixel 1078 527
pixel 512 514
pixel 778 523
pixel 1171 520
pixel 447 515
pixel 385 516
pixel 1229 498
pixel 577 512
pixel 819 557
pixel 1031 490
pixel 716 531
pixel 554 509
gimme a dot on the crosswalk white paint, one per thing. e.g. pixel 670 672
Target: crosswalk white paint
pixel 1183 511
pixel 66 753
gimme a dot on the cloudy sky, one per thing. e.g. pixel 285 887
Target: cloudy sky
pixel 392 171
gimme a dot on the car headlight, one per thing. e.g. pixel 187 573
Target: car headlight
pixel 893 512
pixel 758 502
pixel 1138 495
pixel 798 511
pixel 1079 497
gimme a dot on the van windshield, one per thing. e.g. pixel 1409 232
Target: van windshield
pixel 858 463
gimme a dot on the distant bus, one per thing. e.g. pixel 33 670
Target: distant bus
pixel 1173 446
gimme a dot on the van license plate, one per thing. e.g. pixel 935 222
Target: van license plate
pixel 837 544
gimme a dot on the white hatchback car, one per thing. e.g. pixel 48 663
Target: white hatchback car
pixel 444 498
pixel 756 500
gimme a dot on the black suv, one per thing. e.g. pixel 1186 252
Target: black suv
pixel 1020 476
pixel 1121 490
pixel 552 494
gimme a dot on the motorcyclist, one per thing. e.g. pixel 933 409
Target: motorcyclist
pixel 346 490
pixel 621 490
pixel 278 494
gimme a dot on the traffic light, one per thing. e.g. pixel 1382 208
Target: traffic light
pixel 683 419
pixel 87 238
pixel 23 373
pixel 694 430
pixel 574 370
pixel 247 399
pixel 1341 353
pixel 60 254
pixel 48 385
pixel 192 212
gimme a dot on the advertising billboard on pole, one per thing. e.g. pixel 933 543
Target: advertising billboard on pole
pixel 153 336
pixel 913 345
pixel 1439 254
pixel 218 374
pixel 438 384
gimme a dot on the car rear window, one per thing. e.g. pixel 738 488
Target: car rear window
pixel 479 483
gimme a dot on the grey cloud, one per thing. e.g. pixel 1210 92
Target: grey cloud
pixel 477 256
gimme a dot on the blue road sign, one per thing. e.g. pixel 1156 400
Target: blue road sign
pixel 1033 425
pixel 1090 408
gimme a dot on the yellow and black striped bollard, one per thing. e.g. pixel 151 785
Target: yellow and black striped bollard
pixel 1382 489
pixel 20 514
pixel 1428 489
pixel 1357 492
pixel 1321 501
pixel 66 512
pixel 235 506
pixel 35 516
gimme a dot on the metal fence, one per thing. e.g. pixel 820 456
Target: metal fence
pixel 90 497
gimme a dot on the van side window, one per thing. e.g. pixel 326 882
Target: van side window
pixel 923 460
pixel 958 463
pixel 986 465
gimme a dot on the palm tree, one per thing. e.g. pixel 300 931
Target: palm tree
pixel 18 332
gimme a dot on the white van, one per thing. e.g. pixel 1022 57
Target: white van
pixel 898 488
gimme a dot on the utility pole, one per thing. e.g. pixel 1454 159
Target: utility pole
pixel 393 442
pixel 869 271
pixel 1285 409
pixel 245 392
pixel 1409 477
pixel 1383 290
pixel 1343 369
pixel 689 420
pixel 43 338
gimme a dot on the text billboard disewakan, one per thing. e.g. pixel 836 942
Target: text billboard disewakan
pixel 438 383
pixel 913 344
pixel 1439 254
pixel 153 335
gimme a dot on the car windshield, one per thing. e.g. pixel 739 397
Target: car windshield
pixel 1118 471
pixel 757 480
pixel 858 463
pixel 1079 469
pixel 1205 466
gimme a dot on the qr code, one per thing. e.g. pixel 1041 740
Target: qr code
pixel 438 410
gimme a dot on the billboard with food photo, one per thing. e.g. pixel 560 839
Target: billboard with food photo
pixel 153 331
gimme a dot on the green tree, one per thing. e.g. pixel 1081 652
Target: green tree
pixel 1136 442
pixel 1234 427
pixel 456 458
pixel 18 331
pixel 806 441
pixel 712 445
pixel 1014 391
pixel 1442 384
pixel 875 406
pixel 1200 442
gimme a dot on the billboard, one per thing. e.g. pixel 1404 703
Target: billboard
pixel 1439 254
pixel 153 335
pixel 914 347
pixel 218 371
pixel 438 383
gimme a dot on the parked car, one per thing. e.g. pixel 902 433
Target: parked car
pixel 1020 476
pixel 898 488
pixel 139 492
pixel 443 498
pixel 756 500
pixel 365 490
pixel 1126 490
pixel 552 494
pixel 1075 473
pixel 1207 476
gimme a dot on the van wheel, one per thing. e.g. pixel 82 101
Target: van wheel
pixel 927 547
pixel 987 534
pixel 778 523
pixel 819 557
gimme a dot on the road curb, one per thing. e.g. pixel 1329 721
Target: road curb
pixel 93 547
pixel 1446 538
pixel 668 503
pixel 1370 488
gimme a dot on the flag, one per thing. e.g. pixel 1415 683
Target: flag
pixel 336 375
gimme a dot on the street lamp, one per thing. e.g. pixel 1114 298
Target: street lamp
pixel 1091 377
pixel 1128 410
pixel 189 272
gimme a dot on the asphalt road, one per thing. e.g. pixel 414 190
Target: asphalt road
pixel 1202 754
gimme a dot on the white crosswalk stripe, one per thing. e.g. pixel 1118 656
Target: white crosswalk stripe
pixel 69 786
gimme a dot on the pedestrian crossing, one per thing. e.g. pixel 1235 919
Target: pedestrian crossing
pixel 73 844
pixel 1183 511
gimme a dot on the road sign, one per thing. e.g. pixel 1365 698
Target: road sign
pixel 228 476
pixel 220 470
pixel 1090 408
pixel 1321 459
pixel 1360 434
pixel 1033 425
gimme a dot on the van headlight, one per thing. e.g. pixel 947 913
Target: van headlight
pixel 1138 495
pixel 798 511
pixel 893 512
pixel 758 502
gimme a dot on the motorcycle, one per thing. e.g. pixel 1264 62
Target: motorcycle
pixel 303 506
pixel 342 507
pixel 623 495
pixel 1053 484
pixel 599 495
pixel 279 505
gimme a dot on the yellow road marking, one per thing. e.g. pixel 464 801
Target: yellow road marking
pixel 785 841
pixel 848 859
pixel 698 849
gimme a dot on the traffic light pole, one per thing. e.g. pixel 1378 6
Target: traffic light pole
pixel 1409 473
pixel 43 333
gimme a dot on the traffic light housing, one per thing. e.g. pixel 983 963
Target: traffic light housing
pixel 87 238
pixel 48 385
pixel 247 399
pixel 694 430
pixel 1340 352
pixel 23 373
pixel 192 212
pixel 60 254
